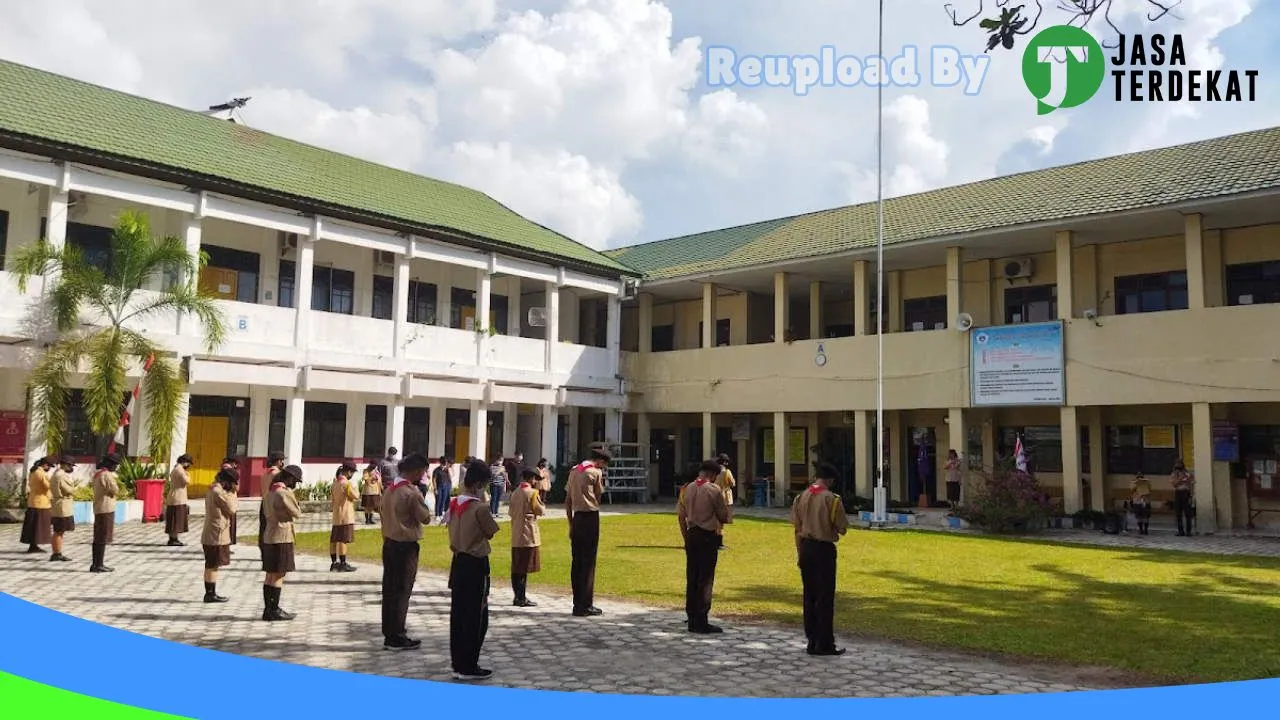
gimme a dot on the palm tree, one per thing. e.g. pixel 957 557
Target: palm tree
pixel 109 292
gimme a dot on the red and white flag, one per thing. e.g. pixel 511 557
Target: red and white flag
pixel 1020 456
pixel 128 408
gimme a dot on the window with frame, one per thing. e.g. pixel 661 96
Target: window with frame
pixel 1128 455
pixel 375 430
pixel 1253 283
pixel 466 299
pixel 663 338
pixel 722 333
pixel 422 300
pixel 929 313
pixel 1041 443
pixel 1030 304
pixel 79 440
pixel 1259 441
pixel 244 264
pixel 4 237
pixel 1155 292
pixel 417 430
pixel 332 290
pixel 384 297
pixel 324 430
pixel 276 426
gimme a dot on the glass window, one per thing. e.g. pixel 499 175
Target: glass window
pixel 928 313
pixel 722 333
pixel 375 430
pixel 422 303
pixel 417 430
pixel 383 297
pixel 324 430
pixel 1127 455
pixel 1036 303
pixel 79 440
pixel 1253 283
pixel 284 290
pixel 1042 445
pixel 275 427
pixel 664 338
pixel 1151 293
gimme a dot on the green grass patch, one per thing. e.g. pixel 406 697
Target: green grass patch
pixel 1168 616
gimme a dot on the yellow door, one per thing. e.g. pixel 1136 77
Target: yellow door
pixel 469 319
pixel 207 445
pixel 219 282
pixel 461 443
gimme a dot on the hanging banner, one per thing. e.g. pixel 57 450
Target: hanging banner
pixel 13 433
pixel 1013 365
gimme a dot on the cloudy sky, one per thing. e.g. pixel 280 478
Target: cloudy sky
pixel 594 116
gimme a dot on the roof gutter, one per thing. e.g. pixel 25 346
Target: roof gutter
pixel 197 181
pixel 862 253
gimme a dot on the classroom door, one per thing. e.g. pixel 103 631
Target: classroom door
pixel 207 445
pixel 461 442
pixel 663 450
pixel 219 282
pixel 922 463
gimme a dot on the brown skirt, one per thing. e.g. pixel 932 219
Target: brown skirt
pixel 37 526
pixel 233 529
pixel 277 558
pixel 64 524
pixel 104 528
pixel 175 519
pixel 216 556
pixel 342 534
pixel 370 503
pixel 526 560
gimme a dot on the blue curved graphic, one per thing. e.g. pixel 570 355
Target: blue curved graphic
pixel 173 678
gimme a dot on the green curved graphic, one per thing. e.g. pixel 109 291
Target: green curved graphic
pixel 45 701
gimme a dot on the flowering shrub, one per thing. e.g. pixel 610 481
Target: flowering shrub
pixel 1008 500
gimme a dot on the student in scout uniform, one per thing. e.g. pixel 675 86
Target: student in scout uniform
pixel 275 463
pixel 544 481
pixel 726 482
pixel 1183 493
pixel 819 518
pixel 234 466
pixel 176 511
pixel 525 507
pixel 702 512
pixel 582 507
pixel 215 538
pixel 370 492
pixel 343 501
pixel 105 490
pixel 37 522
pixel 403 515
pixel 442 477
pixel 277 543
pixel 1140 501
pixel 471 526
pixel 61 488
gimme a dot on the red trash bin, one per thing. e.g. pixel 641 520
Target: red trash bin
pixel 151 493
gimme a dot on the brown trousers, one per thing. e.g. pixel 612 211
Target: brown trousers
pixel 399 571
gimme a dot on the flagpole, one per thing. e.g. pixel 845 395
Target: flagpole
pixel 879 516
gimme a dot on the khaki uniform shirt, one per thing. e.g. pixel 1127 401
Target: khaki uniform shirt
pixel 61 488
pixel 702 505
pixel 818 514
pixel 727 483
pixel 370 484
pixel 1182 480
pixel 38 495
pixel 219 507
pixel 179 479
pixel 471 527
pixel 105 490
pixel 403 512
pixel 343 499
pixel 544 484
pixel 1140 490
pixel 585 486
pixel 525 508
pixel 282 510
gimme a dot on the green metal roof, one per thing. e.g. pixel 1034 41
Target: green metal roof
pixel 1203 170
pixel 79 116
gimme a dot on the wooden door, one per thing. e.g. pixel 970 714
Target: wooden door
pixel 461 442
pixel 219 282
pixel 207 445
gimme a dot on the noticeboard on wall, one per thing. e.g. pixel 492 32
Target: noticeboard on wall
pixel 797 450
pixel 1011 365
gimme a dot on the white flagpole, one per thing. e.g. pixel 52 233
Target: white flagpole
pixel 881 503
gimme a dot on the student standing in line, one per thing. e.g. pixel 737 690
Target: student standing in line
pixel 544 481
pixel 403 515
pixel 471 527
pixel 61 488
pixel 342 501
pixel 370 492
pixel 443 479
pixel 726 482
pixel 277 548
pixel 233 465
pixel 953 478
pixel 582 507
pixel 387 468
pixel 215 537
pixel 702 512
pixel 1140 501
pixel 105 490
pixel 819 518
pixel 176 510
pixel 275 464
pixel 37 522
pixel 1183 491
pixel 498 482
pixel 526 540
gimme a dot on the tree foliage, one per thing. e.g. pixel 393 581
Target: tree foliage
pixel 87 325
pixel 1003 28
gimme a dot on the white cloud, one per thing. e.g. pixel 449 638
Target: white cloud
pixel 1043 136
pixel 915 159
pixel 727 133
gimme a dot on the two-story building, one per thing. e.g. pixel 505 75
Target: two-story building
pixel 368 307
pixel 1118 315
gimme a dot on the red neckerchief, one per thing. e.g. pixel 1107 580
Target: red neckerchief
pixel 700 482
pixel 276 484
pixel 398 483
pixel 525 486
pixel 584 465
pixel 816 489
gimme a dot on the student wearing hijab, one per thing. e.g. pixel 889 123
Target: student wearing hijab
pixel 525 507
pixel 61 489
pixel 233 465
pixel 105 490
pixel 37 523
pixel 215 537
pixel 471 526
pixel 176 510
pixel 277 541
pixel 370 491
pixel 343 503
pixel 275 463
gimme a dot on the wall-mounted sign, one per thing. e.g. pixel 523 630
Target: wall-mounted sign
pixel 797 442
pixel 1012 365
pixel 13 432
pixel 741 427
pixel 242 323
pixel 1159 437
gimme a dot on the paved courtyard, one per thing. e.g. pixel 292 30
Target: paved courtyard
pixel 156 591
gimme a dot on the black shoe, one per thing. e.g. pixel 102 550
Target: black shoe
pixel 214 598
pixel 101 569
pixel 401 643
pixel 59 557
pixel 34 550
pixel 707 629
pixel 344 567
pixel 589 612
pixel 477 674
pixel 524 602
pixel 284 614
pixel 827 652
pixel 175 542
pixel 335 566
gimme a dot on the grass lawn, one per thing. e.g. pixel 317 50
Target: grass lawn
pixel 1165 616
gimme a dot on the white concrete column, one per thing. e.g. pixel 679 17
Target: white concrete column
pixel 646 323
pixel 781 463
pixel 958 438
pixel 1097 458
pixel 864 465
pixel 613 330
pixel 892 310
pixel 1194 233
pixel 553 324
pixel 510 416
pixel 781 307
pixel 395 424
pixel 56 235
pixel 178 443
pixel 484 295
pixel 400 304
pixel 514 298
pixel 815 310
pixel 479 430
pixel 1065 255
pixel 862 289
pixel 955 288
pixel 1072 490
pixel 139 433
pixel 435 429
pixel 708 436
pixel 260 422
pixel 708 339
pixel 1202 454
pixel 643 430
pixel 571 426
pixel 355 428
pixel 444 295
pixel 294 414
pixel 302 289
pixel 613 425
pixel 550 418
pixel 192 235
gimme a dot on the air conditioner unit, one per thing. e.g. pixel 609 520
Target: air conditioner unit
pixel 384 258
pixel 629 288
pixel 288 242
pixel 1020 268
pixel 537 317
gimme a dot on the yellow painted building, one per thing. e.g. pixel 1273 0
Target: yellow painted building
pixel 1160 270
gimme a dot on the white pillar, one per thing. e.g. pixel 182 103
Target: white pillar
pixel 708 315
pixel 259 422
pixel 861 298
pixel 302 288
pixel 781 463
pixel 444 296
pixel 193 232
pixel 1194 234
pixel 479 430
pixel 646 323
pixel 178 443
pixel 1072 489
pixel 571 429
pixel 395 424
pixel 435 429
pixel 553 324
pixel 550 420
pixel 400 304
pixel 56 235
pixel 1202 460
pixel 138 432
pixel 613 425
pixel 484 301
pixel 613 331
pixel 815 310
pixel 293 427
pixel 708 436
pixel 514 297
pixel 864 472
pixel 643 429
pixel 510 417
pixel 355 428
pixel 1065 255
pixel 781 307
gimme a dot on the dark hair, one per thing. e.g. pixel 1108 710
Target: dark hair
pixel 601 455
pixel 275 457
pixel 722 459
pixel 411 462
pixel 444 460
pixel 528 474
pixel 347 466
pixel 710 467
pixel 227 477
pixel 371 466
pixel 391 451
pixel 542 462
pixel 184 458
pixel 827 471
pixel 230 461
pixel 478 475
pixel 66 460
pixel 292 471
pixel 110 461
